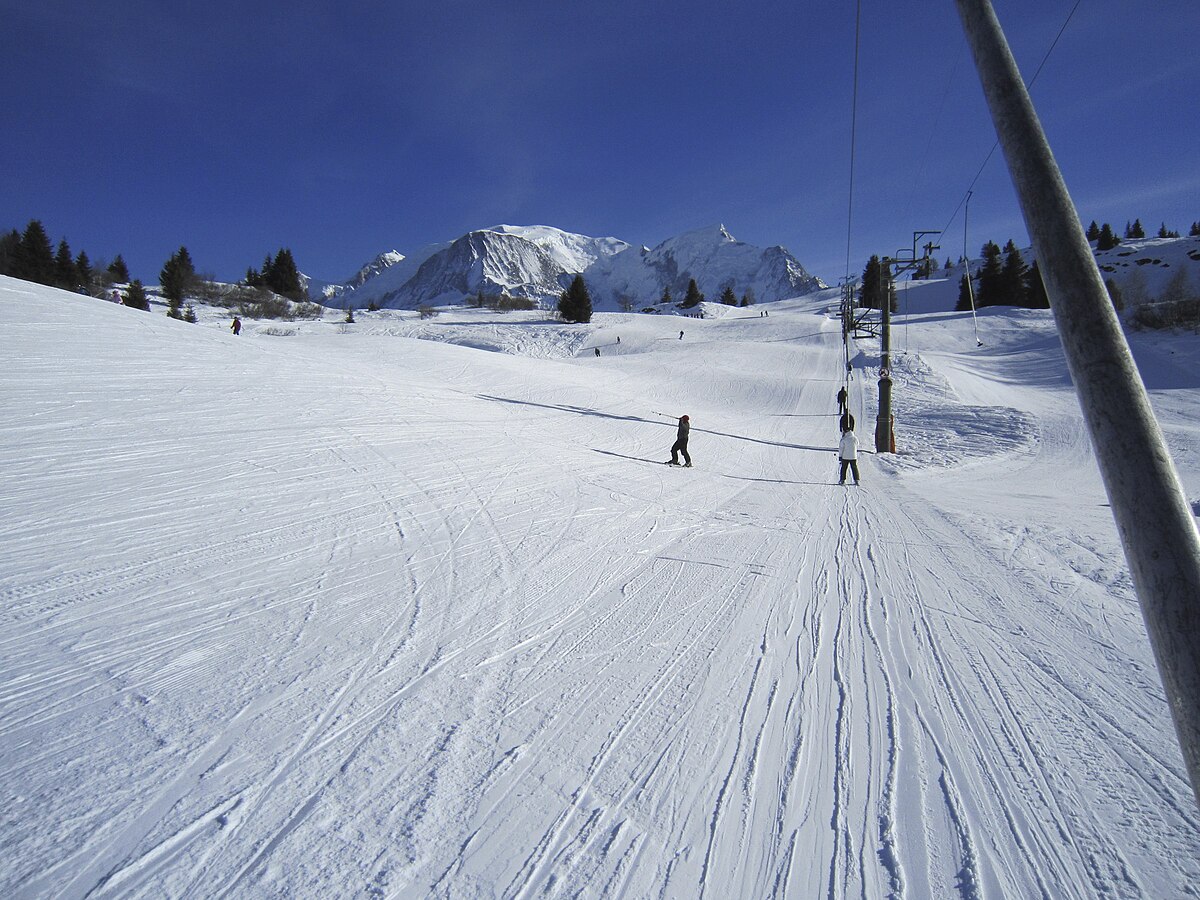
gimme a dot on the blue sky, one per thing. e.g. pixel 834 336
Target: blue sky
pixel 344 129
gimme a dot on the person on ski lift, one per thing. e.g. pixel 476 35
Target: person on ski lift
pixel 681 442
pixel 848 454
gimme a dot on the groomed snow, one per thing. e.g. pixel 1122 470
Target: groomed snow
pixel 412 608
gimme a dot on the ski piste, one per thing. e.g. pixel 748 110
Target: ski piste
pixel 372 611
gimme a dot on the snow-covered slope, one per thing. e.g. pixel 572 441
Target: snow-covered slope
pixel 1143 270
pixel 328 610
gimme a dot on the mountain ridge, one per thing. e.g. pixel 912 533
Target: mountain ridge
pixel 537 262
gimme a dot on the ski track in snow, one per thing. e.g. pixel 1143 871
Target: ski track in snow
pixel 365 614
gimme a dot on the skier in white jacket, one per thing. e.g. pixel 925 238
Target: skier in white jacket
pixel 848 455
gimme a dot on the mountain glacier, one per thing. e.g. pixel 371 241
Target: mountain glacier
pixel 537 262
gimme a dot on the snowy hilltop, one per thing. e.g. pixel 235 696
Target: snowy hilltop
pixel 538 262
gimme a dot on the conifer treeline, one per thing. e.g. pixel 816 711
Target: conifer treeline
pixel 1003 282
pixel 30 256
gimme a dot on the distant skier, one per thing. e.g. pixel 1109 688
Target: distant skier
pixel 597 351
pixel 680 445
pixel 236 326
pixel 618 339
pixel 848 455
pixel 841 399
pixel 681 335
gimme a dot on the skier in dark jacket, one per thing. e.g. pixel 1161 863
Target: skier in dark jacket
pixel 681 442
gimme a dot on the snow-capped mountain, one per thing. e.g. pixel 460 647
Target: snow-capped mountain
pixel 538 261
pixel 714 258
pixel 489 261
pixel 574 252
pixel 374 267
pixel 325 292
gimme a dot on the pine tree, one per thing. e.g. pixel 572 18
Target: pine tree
pixel 728 297
pixel 1107 239
pixel 1093 232
pixel 35 258
pixel 1128 230
pixel 1137 232
pixel 83 269
pixel 64 267
pixel 1012 277
pixel 135 296
pixel 1195 230
pixel 118 270
pixel 877 285
pixel 748 297
pixel 189 314
pixel 869 288
pixel 666 295
pixel 1035 290
pixel 282 276
pixel 990 277
pixel 964 294
pixel 10 248
pixel 177 277
pixel 575 304
pixel 693 297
